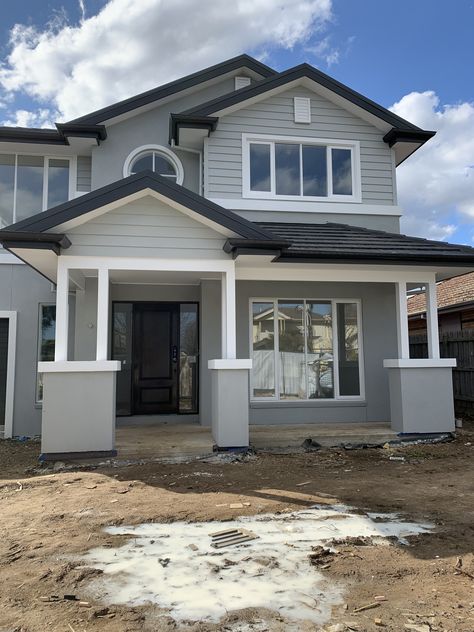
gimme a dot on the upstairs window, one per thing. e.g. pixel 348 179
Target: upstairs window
pixel 155 158
pixel 289 168
pixel 31 184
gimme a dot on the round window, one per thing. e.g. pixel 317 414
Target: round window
pixel 154 161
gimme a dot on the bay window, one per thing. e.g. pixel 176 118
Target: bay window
pixel 305 349
pixel 31 184
pixel 289 168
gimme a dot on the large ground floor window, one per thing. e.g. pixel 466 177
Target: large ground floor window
pixel 306 349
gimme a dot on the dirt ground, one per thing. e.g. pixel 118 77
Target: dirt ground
pixel 48 518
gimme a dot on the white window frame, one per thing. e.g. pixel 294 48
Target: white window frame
pixel 159 149
pixel 263 139
pixel 46 158
pixel 7 423
pixel 335 362
pixel 39 401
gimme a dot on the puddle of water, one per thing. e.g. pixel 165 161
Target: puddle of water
pixel 204 584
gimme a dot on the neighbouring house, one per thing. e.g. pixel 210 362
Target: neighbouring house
pixel 455 306
pixel 224 249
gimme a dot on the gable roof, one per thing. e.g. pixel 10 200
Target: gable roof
pixel 292 74
pixel 49 136
pixel 331 242
pixel 451 292
pixel 173 87
pixel 58 215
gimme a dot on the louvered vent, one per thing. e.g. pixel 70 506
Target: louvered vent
pixel 241 82
pixel 302 110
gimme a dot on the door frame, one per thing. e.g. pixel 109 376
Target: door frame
pixel 11 316
pixel 198 368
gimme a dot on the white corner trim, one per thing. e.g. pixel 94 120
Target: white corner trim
pixel 229 364
pixel 160 149
pixel 10 385
pixel 420 363
pixel 83 366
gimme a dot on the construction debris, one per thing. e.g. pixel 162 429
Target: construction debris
pixel 231 537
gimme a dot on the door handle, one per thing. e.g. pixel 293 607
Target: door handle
pixel 174 354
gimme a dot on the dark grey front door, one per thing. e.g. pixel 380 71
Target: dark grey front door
pixel 155 358
pixel 3 366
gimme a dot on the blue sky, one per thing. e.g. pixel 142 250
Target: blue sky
pixel 62 61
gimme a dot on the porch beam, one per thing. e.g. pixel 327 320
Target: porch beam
pixel 62 313
pixel 432 320
pixel 102 314
pixel 402 321
pixel 229 346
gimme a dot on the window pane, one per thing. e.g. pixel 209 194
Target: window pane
pixel 291 350
pixel 287 169
pixel 348 347
pixel 143 163
pixel 29 195
pixel 314 170
pixel 263 347
pixel 163 166
pixel 259 167
pixel 58 182
pixel 319 350
pixel 188 357
pixel 341 172
pixel 46 342
pixel 7 183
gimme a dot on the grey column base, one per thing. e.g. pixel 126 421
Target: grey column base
pixel 230 402
pixel 78 411
pixel 421 395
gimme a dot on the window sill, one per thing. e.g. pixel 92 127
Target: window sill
pixel 317 403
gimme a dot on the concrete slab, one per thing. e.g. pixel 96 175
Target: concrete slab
pixel 163 440
pixel 292 436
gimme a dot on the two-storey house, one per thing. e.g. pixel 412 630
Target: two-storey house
pixel 225 247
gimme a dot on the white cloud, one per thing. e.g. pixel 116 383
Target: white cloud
pixel 437 182
pixel 130 46
pixel 27 118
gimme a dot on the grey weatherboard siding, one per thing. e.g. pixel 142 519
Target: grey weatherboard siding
pixel 274 116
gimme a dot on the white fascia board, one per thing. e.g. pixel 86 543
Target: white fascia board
pixel 231 364
pixel 302 206
pixel 84 366
pixel 87 217
pixel 420 363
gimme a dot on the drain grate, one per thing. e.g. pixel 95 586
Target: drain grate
pixel 231 537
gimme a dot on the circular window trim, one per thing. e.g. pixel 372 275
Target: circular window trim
pixel 167 153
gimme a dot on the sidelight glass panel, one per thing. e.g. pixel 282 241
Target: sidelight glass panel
pixel 291 350
pixel 315 170
pixel 58 182
pixel 259 167
pixel 263 350
pixel 287 169
pixel 341 171
pixel 46 342
pixel 348 348
pixel 122 351
pixel 188 357
pixel 7 188
pixel 319 350
pixel 29 186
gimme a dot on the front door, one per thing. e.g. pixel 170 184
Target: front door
pixel 155 358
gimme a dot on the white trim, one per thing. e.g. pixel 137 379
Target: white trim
pixel 102 315
pixel 432 320
pixel 241 82
pixel 420 363
pixel 11 316
pixel 160 149
pixel 62 313
pixel 79 366
pixel 85 262
pixel 352 145
pixel 403 341
pixel 335 351
pixel 229 364
pixel 304 205
pixel 228 319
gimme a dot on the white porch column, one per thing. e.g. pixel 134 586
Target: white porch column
pixel 432 320
pixel 229 345
pixel 402 320
pixel 62 313
pixel 102 314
